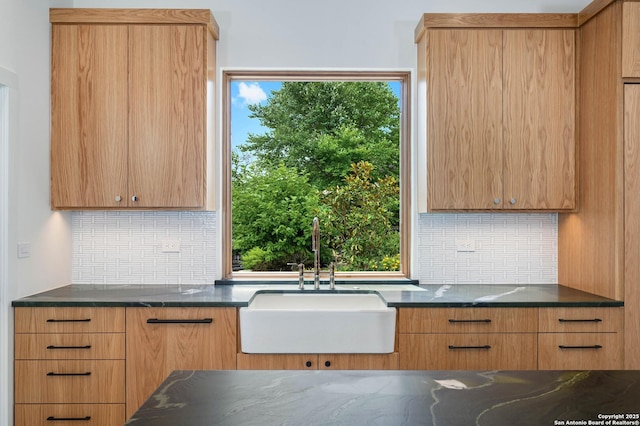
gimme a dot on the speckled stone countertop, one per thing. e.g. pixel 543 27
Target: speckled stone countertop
pixel 461 295
pixel 353 398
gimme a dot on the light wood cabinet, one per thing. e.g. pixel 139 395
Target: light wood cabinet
pixel 468 338
pixel 160 340
pixel 598 246
pixel 69 364
pixel 500 112
pixel 131 107
pixel 630 39
pixel 580 338
pixel 318 361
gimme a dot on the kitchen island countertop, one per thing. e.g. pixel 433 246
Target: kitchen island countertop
pixel 443 398
pixel 239 295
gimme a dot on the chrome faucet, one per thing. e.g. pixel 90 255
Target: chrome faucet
pixel 315 247
pixel 301 276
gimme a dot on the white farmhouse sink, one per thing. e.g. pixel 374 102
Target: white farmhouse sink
pixel 317 322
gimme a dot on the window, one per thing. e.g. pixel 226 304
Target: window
pixel 324 172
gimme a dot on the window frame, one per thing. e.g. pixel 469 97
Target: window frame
pixel 225 215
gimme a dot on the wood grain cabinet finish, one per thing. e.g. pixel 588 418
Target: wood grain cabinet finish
pixel 318 361
pixel 69 364
pixel 160 340
pixel 631 39
pixel 468 338
pixel 131 108
pixel 500 114
pixel 580 338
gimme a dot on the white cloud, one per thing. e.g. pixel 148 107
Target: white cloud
pixel 251 93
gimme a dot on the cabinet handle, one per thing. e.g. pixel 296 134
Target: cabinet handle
pixel 454 321
pixel 69 347
pixel 308 363
pixel 134 198
pixel 117 198
pixel 580 320
pixel 69 320
pixel 179 321
pixel 580 347
pixel 485 347
pixel 496 201
pixel 512 201
pixel 327 363
pixel 68 419
pixel 51 373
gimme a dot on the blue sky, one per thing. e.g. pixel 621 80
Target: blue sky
pixel 244 93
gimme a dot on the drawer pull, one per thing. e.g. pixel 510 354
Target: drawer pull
pixel 68 419
pixel 580 320
pixel 485 347
pixel 51 373
pixel 580 347
pixel 69 347
pixel 454 321
pixel 179 321
pixel 69 320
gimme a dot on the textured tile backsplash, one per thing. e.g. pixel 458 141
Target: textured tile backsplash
pixel 509 248
pixel 125 248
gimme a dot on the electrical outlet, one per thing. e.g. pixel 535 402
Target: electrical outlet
pixel 171 246
pixel 465 245
pixel 24 250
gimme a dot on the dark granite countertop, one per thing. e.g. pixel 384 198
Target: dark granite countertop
pixel 461 295
pixel 352 398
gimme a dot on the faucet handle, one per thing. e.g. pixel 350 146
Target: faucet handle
pixel 301 276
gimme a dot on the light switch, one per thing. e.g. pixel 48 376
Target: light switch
pixel 24 250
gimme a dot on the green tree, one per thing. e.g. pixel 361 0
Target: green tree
pixel 358 220
pixel 272 214
pixel 321 128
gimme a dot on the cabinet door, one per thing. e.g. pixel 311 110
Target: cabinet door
pixel 167 122
pixel 277 361
pixel 539 119
pixel 464 119
pixel 630 39
pixel 160 340
pixel 88 115
pixel 359 361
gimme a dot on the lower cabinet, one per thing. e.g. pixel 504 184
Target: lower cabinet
pixel 160 340
pixel 69 366
pixel 580 339
pixel 318 361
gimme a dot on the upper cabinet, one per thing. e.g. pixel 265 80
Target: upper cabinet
pixel 132 108
pixel 630 39
pixel 500 111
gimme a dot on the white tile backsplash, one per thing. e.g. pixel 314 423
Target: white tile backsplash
pixel 520 248
pixel 125 248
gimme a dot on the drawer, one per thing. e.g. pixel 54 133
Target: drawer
pixel 77 381
pixel 70 346
pixel 580 351
pixel 84 414
pixel 580 320
pixel 516 351
pixel 467 320
pixel 69 320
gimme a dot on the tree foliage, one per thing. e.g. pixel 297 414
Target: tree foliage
pixel 321 128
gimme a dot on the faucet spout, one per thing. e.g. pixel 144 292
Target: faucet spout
pixel 315 247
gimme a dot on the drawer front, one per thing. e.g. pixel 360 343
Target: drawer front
pixel 69 320
pixel 580 320
pixel 69 415
pixel 580 351
pixel 515 351
pixel 70 346
pixel 468 320
pixel 64 382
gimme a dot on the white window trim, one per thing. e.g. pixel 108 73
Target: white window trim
pixel 224 216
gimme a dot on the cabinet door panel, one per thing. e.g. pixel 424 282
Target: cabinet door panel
pixel 358 361
pixel 630 39
pixel 277 361
pixel 580 351
pixel 84 414
pixel 172 342
pixel 539 119
pixel 167 121
pixel 464 119
pixel 88 115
